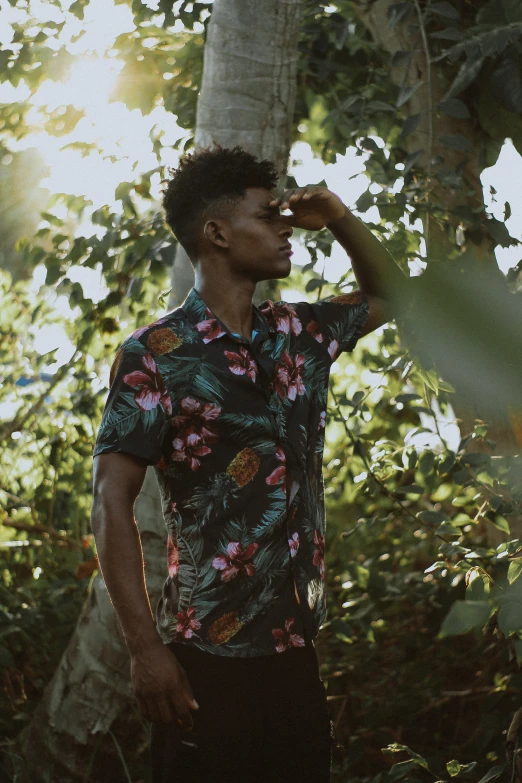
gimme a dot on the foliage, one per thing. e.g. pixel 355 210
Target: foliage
pixel 424 639
pixel 414 578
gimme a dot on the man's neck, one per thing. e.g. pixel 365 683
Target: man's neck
pixel 229 298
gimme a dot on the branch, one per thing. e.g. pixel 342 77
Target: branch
pixel 37 528
pixel 384 488
pixel 429 81
pixel 20 421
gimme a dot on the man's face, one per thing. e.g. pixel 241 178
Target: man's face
pixel 257 237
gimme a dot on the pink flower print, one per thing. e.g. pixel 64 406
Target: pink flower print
pixel 278 475
pixel 322 420
pixel 319 552
pixel 293 543
pixel 187 452
pixel 138 332
pixel 195 425
pixel 283 316
pixel 289 372
pixel 238 561
pixel 172 557
pixel 242 363
pixel 312 327
pixel 210 328
pixel 150 386
pixel 187 623
pixel 285 639
pixel 333 349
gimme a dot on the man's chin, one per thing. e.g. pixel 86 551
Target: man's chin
pixel 282 270
pixel 277 271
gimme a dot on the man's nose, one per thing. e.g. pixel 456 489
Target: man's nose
pixel 286 231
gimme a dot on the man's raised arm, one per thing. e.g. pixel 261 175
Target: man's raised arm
pixel 379 277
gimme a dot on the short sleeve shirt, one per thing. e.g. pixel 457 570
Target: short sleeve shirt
pixel 235 432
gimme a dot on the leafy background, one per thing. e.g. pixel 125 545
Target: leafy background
pixel 422 648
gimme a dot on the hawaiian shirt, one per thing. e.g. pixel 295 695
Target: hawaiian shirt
pixel 235 432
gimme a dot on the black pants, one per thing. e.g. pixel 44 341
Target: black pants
pixel 260 720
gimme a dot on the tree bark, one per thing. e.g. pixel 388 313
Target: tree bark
pixel 440 235
pixel 87 711
pixel 247 93
pixel 90 689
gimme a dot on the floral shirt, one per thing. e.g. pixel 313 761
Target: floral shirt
pixel 235 431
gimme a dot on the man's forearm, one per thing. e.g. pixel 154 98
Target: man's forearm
pixel 375 270
pixel 121 561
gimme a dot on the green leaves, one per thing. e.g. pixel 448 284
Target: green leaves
pixel 514 570
pixel 468 72
pixel 493 774
pixel 494 12
pixel 501 523
pixel 510 617
pixel 453 107
pixel 432 517
pixel 506 80
pixel 403 768
pixel 364 202
pixel 512 10
pixel 411 124
pixel 444 9
pixel 455 768
pixel 398 13
pixel 406 93
pixel 465 616
pixel 456 141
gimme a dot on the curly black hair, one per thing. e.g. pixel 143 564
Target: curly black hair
pixel 213 179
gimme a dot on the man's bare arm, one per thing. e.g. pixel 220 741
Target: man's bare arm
pixel 159 682
pixel 379 277
pixel 375 270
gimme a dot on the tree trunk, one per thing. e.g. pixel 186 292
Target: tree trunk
pixel 248 92
pixel 440 235
pixel 87 711
pixel 90 689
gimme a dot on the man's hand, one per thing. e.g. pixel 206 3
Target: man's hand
pixel 313 207
pixel 161 686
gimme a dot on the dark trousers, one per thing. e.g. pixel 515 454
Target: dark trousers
pixel 260 720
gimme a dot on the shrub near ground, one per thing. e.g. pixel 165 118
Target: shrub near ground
pixel 415 653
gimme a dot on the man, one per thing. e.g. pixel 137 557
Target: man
pixel 228 402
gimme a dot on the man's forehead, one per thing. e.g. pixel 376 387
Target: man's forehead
pixel 260 198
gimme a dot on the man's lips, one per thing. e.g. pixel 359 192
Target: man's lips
pixel 287 249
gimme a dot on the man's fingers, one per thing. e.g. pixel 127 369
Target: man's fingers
pixel 187 690
pixel 153 710
pixel 183 716
pixel 293 195
pixel 164 709
pixel 290 197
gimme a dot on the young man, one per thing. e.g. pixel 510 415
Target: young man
pixel 228 402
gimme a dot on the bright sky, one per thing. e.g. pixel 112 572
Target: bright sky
pixel 125 134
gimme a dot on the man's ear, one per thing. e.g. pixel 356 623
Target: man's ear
pixel 214 231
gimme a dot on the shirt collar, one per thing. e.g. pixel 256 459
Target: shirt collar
pixel 209 326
